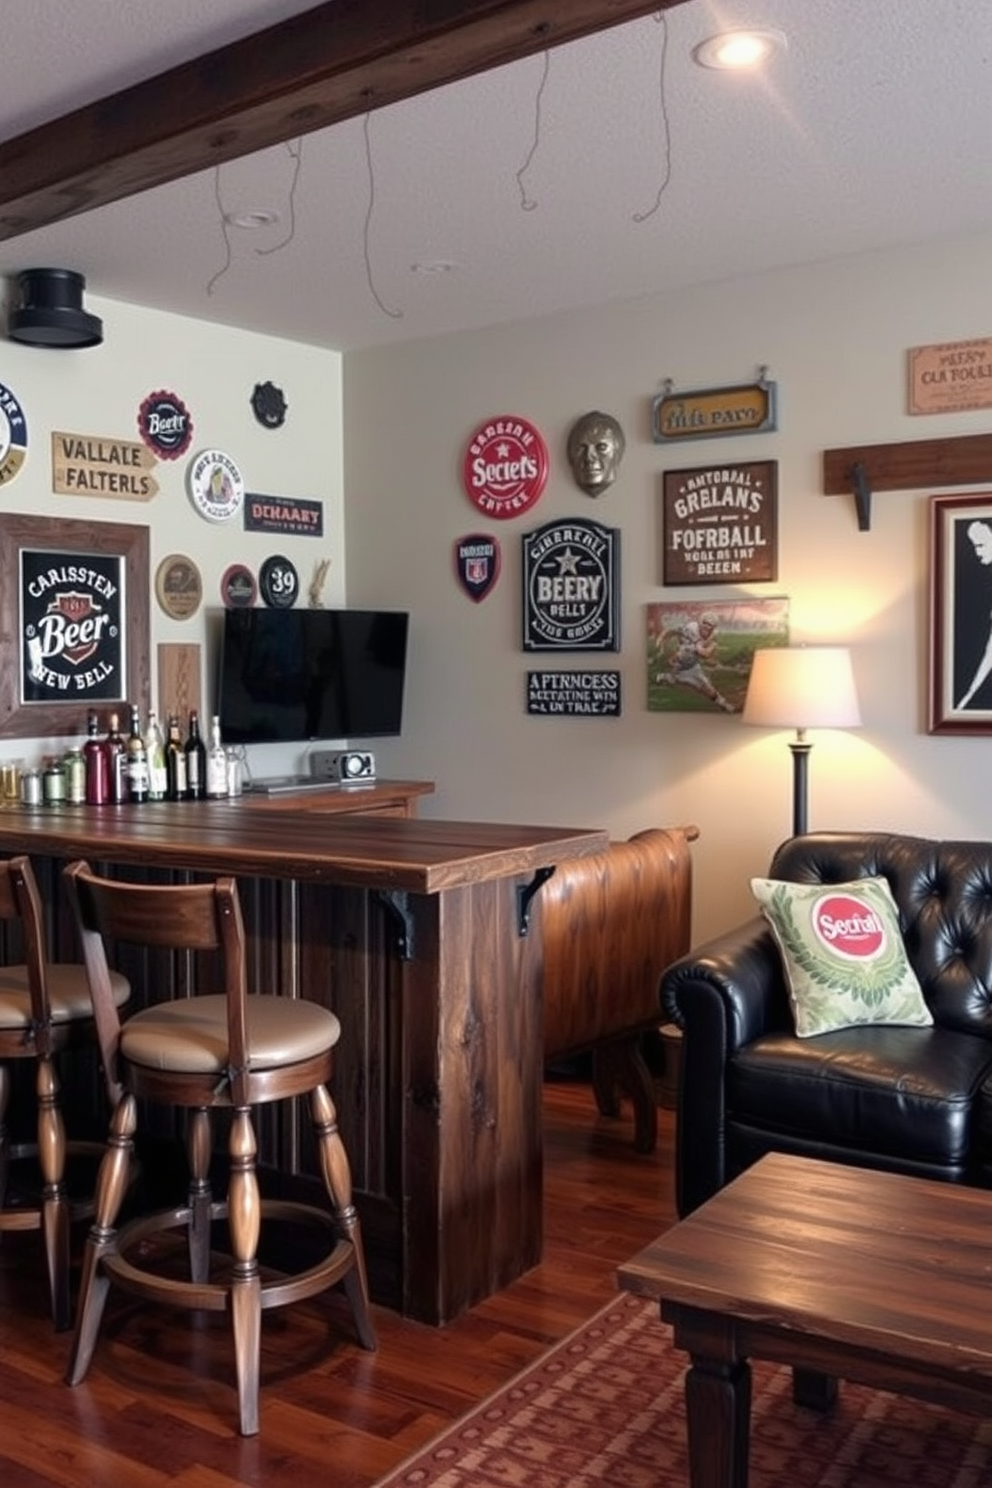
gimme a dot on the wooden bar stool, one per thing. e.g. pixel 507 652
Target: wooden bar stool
pixel 211 1049
pixel 44 1008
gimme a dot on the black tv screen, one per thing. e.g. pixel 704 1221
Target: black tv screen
pixel 289 676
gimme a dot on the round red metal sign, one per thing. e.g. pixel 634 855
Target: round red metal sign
pixel 505 467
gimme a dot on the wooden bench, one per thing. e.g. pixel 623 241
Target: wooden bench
pixel 612 922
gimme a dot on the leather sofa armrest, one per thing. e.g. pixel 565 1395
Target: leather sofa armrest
pixel 723 995
pixel 742 970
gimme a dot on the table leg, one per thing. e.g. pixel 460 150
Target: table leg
pixel 814 1390
pixel 718 1417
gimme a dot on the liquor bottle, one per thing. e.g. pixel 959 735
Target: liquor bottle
pixel 196 760
pixel 116 761
pixel 155 750
pixel 176 788
pixel 137 762
pixel 216 763
pixel 97 764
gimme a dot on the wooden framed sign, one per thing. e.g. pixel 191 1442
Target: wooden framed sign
pixel 73 622
pixel 720 523
pixel 712 413
pixel 960 690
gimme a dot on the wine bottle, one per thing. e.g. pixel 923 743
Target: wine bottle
pixel 176 788
pixel 216 763
pixel 137 761
pixel 97 764
pixel 155 750
pixel 116 761
pixel 196 760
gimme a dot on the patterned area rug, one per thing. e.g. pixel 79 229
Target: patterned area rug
pixel 604 1409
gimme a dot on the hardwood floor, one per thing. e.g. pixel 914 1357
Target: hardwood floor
pixel 158 1406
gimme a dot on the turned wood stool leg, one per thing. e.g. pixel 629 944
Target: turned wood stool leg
pixel 55 1199
pixel 244 1218
pixel 198 1144
pixel 336 1172
pixel 111 1185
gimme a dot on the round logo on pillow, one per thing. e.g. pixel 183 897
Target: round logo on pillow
pixel 846 925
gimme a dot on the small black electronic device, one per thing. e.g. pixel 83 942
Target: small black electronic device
pixel 355 764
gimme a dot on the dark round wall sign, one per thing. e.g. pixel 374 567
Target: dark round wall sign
pixel 279 582
pixel 237 587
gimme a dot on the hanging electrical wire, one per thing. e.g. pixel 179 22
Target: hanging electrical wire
pixel 528 203
pixel 666 176
pixel 366 241
pixel 225 229
pixel 296 155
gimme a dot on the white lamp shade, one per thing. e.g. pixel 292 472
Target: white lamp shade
pixel 802 687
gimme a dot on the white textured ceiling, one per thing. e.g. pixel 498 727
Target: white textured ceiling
pixel 871 128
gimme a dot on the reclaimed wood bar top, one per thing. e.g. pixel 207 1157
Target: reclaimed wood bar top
pixel 413 854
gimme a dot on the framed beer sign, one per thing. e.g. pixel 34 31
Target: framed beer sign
pixel 73 622
pixel 720 523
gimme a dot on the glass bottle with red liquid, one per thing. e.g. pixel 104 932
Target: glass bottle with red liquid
pixel 96 761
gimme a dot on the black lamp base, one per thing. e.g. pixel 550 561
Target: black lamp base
pixel 800 792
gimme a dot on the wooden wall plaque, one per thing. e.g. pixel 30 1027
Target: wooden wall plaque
pixel 720 523
pixel 179 684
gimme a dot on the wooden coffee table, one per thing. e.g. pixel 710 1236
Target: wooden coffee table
pixel 839 1272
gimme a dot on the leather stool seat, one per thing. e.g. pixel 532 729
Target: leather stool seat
pixel 191 1034
pixel 68 993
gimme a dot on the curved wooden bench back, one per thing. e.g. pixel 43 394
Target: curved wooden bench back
pixel 611 923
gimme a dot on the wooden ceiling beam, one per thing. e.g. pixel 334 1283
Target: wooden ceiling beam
pixel 333 62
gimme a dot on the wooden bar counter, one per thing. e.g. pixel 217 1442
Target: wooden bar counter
pixel 424 937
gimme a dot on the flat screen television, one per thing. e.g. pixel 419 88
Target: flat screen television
pixel 290 676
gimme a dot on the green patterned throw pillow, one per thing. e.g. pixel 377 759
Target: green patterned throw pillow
pixel 843 954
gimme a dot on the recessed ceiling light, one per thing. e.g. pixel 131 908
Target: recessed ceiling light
pixel 434 266
pixel 251 219
pixel 737 51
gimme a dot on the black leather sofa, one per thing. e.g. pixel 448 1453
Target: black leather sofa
pixel 910 1100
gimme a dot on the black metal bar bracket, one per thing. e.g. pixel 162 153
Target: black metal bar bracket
pixel 525 894
pixel 396 903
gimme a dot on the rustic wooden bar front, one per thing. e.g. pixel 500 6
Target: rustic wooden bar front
pixel 424 937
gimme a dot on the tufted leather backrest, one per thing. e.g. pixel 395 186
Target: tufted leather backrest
pixel 944 894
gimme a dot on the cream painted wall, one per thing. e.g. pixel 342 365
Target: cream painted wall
pixel 834 337
pixel 214 370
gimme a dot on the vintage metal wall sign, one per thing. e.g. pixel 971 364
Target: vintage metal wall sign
pixel 951 376
pixel 572 587
pixel 268 405
pixel 72 631
pixel 720 523
pixel 710 413
pixel 13 436
pixel 283 514
pixel 89 465
pixel 165 425
pixel 178 586
pixel 237 587
pixel 215 484
pixel 574 694
pixel 505 468
pixel 279 582
pixel 478 561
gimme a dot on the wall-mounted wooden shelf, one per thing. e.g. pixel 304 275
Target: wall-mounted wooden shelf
pixel 911 466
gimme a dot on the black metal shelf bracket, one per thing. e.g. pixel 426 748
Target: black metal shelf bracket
pixel 525 894
pixel 396 903
pixel 862 495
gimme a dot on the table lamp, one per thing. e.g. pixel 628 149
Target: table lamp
pixel 801 687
